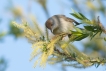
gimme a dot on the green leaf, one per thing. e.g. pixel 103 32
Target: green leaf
pixel 76 16
pixel 78 38
pixel 76 33
pixel 83 16
pixel 74 55
pixel 80 16
pixel 78 29
pixel 105 39
pixel 87 21
pixel 94 35
pixel 91 34
pixel 91 28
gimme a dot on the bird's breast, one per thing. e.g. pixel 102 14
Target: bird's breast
pixel 60 24
pixel 64 27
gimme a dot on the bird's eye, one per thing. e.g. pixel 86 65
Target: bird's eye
pixel 51 24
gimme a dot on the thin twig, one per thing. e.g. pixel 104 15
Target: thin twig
pixel 100 25
pixel 68 57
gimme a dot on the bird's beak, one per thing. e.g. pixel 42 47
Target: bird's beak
pixel 52 30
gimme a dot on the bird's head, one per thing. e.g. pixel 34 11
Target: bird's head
pixel 51 24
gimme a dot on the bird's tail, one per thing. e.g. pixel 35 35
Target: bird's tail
pixel 77 23
pixel 72 20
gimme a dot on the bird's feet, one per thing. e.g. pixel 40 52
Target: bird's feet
pixel 63 35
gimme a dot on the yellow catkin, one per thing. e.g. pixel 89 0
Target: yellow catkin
pixel 53 41
pixel 43 59
pixel 18 25
pixel 50 46
pixel 40 43
pixel 29 32
pixel 51 50
pixel 64 46
pixel 35 64
pixel 35 50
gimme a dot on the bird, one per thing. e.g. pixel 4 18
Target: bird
pixel 59 24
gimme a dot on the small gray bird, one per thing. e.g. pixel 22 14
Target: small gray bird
pixel 60 24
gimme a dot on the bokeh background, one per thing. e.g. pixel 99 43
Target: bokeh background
pixel 15 49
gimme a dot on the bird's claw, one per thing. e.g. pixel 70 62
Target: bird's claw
pixel 63 35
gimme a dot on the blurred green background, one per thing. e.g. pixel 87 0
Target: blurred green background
pixel 14 47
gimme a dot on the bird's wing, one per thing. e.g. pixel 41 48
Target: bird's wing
pixel 69 19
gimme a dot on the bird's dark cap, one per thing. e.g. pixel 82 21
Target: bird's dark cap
pixel 48 24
